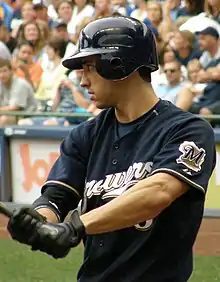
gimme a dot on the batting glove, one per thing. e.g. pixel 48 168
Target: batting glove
pixel 22 225
pixel 57 239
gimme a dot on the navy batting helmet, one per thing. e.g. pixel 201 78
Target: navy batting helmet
pixel 123 44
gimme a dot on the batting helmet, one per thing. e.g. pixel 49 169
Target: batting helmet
pixel 123 44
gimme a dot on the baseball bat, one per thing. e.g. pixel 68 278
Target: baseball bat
pixel 4 210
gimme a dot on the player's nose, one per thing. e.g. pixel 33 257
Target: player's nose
pixel 84 81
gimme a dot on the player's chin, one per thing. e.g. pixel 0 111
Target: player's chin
pixel 101 105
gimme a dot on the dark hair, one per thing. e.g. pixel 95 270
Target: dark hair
pixel 61 2
pixel 5 63
pixel 164 49
pixel 59 45
pixel 145 74
pixel 208 8
pixel 196 6
pixel 39 43
pixel 27 43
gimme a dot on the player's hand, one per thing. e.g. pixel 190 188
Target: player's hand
pixel 57 239
pixel 22 225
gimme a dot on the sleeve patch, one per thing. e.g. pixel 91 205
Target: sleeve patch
pixel 192 157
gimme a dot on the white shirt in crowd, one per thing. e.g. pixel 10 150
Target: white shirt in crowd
pixel 19 94
pixel 206 57
pixel 70 50
pixel 199 22
pixel 4 51
pixel 77 18
pixel 139 14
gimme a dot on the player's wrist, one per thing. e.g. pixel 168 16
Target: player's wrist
pixel 75 220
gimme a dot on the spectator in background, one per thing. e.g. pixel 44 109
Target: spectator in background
pixel 193 85
pixel 209 42
pixel 15 94
pixel 102 9
pixel 210 95
pixel 44 30
pixel 184 48
pixel 191 8
pixel 70 97
pixel 140 12
pixel 6 38
pixel 6 13
pixel 27 14
pixel 80 26
pixel 197 88
pixel 122 7
pixel 64 10
pixel 17 6
pixel 59 31
pixel 4 51
pixel 200 22
pixel 23 65
pixel 52 10
pixel 54 72
pixel 30 31
pixel 154 13
pixel 194 23
pixel 41 12
pixel 212 9
pixel 158 77
pixel 175 6
pixel 81 10
pixel 170 90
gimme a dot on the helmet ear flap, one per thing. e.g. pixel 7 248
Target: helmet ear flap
pixel 116 62
pixel 111 68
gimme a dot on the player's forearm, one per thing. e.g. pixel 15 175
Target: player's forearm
pixel 144 201
pixel 55 202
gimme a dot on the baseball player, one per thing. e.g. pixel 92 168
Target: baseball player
pixel 131 182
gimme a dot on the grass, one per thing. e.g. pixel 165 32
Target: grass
pixel 19 264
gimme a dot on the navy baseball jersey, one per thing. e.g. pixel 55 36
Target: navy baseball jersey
pixel 101 158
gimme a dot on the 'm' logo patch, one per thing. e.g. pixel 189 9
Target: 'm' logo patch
pixel 192 156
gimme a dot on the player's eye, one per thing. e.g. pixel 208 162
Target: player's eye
pixel 91 67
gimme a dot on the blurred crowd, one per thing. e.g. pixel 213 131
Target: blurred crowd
pixel 36 35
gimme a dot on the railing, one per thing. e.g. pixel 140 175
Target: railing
pixel 45 114
pixel 211 117
pixel 76 115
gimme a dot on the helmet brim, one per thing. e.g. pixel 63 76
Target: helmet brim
pixel 76 61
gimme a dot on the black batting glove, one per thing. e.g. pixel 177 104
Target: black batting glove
pixel 57 239
pixel 22 225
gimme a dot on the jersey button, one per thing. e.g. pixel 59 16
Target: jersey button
pixel 101 244
pixel 114 162
pixel 116 146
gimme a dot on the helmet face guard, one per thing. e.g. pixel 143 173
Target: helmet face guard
pixel 123 45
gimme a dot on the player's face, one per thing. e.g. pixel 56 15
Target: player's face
pixel 102 92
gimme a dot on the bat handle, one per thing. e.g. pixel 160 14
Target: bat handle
pixel 4 210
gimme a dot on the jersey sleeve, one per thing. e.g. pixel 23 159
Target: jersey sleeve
pixel 69 170
pixel 188 154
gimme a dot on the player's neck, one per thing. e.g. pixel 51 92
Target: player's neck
pixel 137 101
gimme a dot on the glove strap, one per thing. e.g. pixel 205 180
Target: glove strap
pixel 77 223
